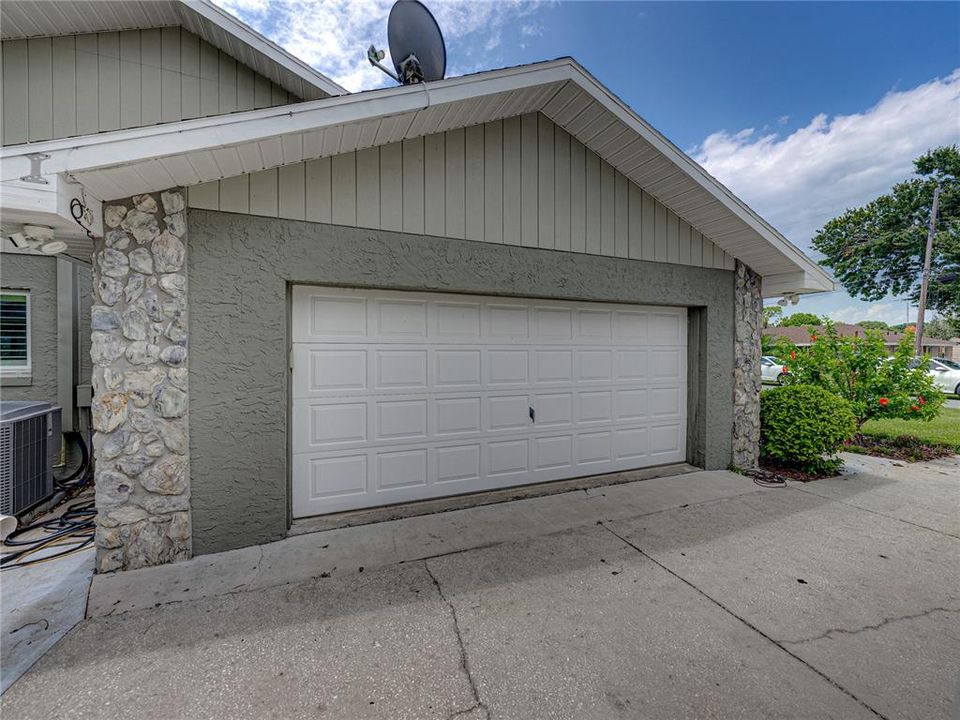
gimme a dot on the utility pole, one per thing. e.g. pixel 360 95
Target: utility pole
pixel 925 278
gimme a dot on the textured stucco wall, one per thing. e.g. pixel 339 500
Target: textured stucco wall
pixel 239 272
pixel 38 274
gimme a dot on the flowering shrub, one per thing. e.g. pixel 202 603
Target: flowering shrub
pixel 858 370
pixel 804 426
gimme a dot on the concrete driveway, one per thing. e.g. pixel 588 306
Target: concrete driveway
pixel 695 596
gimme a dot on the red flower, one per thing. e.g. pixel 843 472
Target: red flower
pixel 793 354
pixel 921 400
pixel 884 402
pixel 813 338
pixel 915 408
pixel 785 369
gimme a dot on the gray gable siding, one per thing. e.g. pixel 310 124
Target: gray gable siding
pixel 57 87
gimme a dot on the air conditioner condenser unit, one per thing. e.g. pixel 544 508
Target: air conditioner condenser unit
pixel 29 448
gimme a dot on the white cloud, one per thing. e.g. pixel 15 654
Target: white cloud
pixel 800 181
pixel 333 35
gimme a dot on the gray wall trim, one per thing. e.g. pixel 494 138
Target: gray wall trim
pixel 240 269
pixel 66 339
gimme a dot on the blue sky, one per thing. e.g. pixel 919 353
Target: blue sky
pixel 802 109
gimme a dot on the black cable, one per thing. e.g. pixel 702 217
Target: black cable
pixel 73 530
pixel 80 476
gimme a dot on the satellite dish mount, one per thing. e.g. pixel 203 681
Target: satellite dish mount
pixel 416 45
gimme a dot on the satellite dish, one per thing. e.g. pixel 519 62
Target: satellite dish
pixel 416 44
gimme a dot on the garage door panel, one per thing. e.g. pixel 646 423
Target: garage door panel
pixel 405 396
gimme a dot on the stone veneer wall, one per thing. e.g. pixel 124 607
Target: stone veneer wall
pixel 748 311
pixel 139 350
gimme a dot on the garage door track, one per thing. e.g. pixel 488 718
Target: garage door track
pixel 835 599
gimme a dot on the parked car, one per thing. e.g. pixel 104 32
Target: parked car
pixel 946 377
pixel 772 369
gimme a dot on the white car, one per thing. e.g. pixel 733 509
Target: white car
pixel 946 377
pixel 772 369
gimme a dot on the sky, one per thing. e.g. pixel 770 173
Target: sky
pixel 803 109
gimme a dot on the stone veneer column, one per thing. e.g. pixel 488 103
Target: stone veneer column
pixel 748 312
pixel 139 350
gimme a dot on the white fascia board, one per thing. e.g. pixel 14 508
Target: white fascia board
pixel 23 202
pixel 694 170
pixel 110 149
pixel 800 282
pixel 247 35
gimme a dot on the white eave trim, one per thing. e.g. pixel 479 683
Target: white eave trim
pixel 247 35
pixel 105 150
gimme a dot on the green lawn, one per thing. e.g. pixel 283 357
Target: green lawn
pixel 943 430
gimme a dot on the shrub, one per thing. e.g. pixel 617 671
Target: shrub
pixel 804 426
pixel 858 370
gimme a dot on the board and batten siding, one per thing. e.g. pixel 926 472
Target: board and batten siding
pixel 519 181
pixel 57 87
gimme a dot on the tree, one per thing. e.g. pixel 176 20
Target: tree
pixel 874 325
pixel 800 319
pixel 771 314
pixel 878 249
pixel 943 327
pixel 858 370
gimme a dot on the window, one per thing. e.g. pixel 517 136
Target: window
pixel 14 332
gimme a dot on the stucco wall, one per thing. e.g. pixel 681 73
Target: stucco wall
pixel 239 272
pixel 38 274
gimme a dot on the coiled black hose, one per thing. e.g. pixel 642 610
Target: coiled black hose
pixel 82 474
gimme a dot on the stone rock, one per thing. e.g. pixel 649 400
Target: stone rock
pixel 174 437
pixel 177 224
pixel 140 421
pixel 176 331
pixel 179 528
pixel 109 290
pixel 174 355
pixel 116 239
pixel 113 263
pixel 103 318
pixel 168 252
pixel 106 378
pixel 172 201
pixel 166 477
pixel 140 385
pixel 143 226
pixel 109 411
pixel 122 515
pixel 174 284
pixel 157 504
pixel 134 465
pixel 153 446
pixel 113 215
pixel 112 489
pixel 112 537
pixel 112 445
pixel 174 308
pixel 135 323
pixel 178 376
pixel 141 260
pixel 142 353
pixel 104 347
pixel 152 304
pixel 171 402
pixel 135 285
pixel 145 203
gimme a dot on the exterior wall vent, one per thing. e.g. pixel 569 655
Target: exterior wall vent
pixel 29 445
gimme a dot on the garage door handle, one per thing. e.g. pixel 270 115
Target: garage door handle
pixel 533 415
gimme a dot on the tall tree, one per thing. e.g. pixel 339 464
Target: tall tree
pixel 878 249
pixel 800 319
pixel 770 315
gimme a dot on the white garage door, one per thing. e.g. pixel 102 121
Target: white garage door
pixel 403 396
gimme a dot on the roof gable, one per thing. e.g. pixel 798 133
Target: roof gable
pixel 29 18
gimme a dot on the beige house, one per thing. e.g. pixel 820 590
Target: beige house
pixel 800 336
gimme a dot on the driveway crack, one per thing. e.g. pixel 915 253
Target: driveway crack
pixel 743 620
pixel 478 704
pixel 832 632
